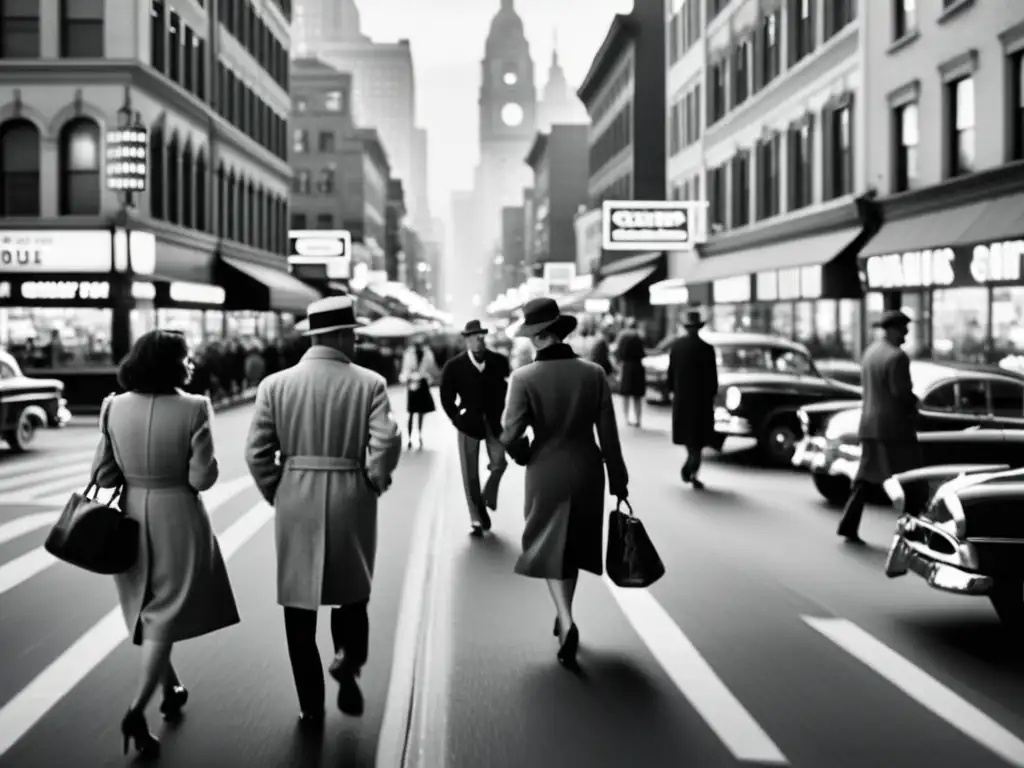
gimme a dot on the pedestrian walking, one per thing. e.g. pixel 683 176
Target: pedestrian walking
pixel 157 446
pixel 630 352
pixel 600 352
pixel 473 387
pixel 330 423
pixel 419 373
pixel 888 431
pixel 693 376
pixel 562 399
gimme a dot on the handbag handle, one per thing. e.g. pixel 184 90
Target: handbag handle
pixel 629 507
pixel 94 485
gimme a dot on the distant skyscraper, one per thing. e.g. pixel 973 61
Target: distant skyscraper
pixel 420 183
pixel 559 104
pixel 324 21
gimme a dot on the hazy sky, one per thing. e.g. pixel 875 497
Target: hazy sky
pixel 447 38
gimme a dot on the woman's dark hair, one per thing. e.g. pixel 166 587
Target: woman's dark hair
pixel 156 364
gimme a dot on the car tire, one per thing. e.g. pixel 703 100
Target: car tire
pixel 835 489
pixel 24 433
pixel 778 440
pixel 1007 597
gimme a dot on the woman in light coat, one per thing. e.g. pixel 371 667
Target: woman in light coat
pixel 562 398
pixel 419 373
pixel 158 446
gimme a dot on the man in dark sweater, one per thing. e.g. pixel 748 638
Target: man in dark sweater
pixel 473 387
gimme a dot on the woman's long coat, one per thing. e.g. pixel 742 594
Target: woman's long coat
pixel 331 422
pixel 161 449
pixel 563 399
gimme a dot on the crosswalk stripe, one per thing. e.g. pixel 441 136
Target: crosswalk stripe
pixel 51 685
pixel 922 687
pixel 65 473
pixel 21 569
pixel 18 527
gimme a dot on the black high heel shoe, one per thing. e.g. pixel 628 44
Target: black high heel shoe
pixel 135 729
pixel 567 651
pixel 558 627
pixel 174 701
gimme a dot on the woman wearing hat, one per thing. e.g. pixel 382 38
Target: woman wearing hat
pixel 419 372
pixel 562 399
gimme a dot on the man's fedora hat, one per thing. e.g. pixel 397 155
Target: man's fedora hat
pixel 892 318
pixel 693 320
pixel 474 328
pixel 544 315
pixel 334 313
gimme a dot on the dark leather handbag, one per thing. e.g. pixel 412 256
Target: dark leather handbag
pixel 93 535
pixel 631 560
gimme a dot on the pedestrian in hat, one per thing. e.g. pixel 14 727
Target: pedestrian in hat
pixel 630 353
pixel 888 430
pixel 693 376
pixel 322 448
pixel 473 387
pixel 419 372
pixel 562 399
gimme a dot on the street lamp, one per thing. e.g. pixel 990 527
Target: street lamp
pixel 127 155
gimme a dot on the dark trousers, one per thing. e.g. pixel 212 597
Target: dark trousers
pixel 694 455
pixel 469 459
pixel 850 524
pixel 350 631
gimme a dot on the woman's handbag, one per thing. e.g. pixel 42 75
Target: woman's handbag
pixel 632 560
pixel 92 535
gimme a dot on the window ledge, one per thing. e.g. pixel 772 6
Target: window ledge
pixel 898 45
pixel 954 10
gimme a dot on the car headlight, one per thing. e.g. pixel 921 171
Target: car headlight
pixel 842 424
pixel 733 398
pixel 894 491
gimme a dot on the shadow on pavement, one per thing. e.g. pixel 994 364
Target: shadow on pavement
pixel 984 641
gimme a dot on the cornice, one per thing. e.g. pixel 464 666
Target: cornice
pixel 1005 180
pixel 796 227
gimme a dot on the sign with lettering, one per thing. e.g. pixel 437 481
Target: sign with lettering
pixel 912 269
pixel 638 225
pixel 992 263
pixel 55 251
pixel 321 251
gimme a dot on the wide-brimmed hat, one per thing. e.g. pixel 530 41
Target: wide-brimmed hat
pixel 693 320
pixel 892 318
pixel 544 315
pixel 474 328
pixel 334 313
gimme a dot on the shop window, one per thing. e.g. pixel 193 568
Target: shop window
pixel 19 29
pixel 801 14
pixel 1008 327
pixel 142 321
pixel 1017 105
pixel 80 168
pixel 942 398
pixel 959 320
pixel 1007 399
pixel 19 168
pixel 961 127
pixel 58 337
pixel 906 139
pixel 81 29
pixel 905 18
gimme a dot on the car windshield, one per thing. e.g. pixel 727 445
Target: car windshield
pixel 764 359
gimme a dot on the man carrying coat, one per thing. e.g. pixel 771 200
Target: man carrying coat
pixel 322 448
pixel 693 376
pixel 473 387
pixel 888 431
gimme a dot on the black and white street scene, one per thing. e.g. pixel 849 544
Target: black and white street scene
pixel 505 383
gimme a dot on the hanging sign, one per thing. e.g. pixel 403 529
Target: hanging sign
pixel 127 159
pixel 635 225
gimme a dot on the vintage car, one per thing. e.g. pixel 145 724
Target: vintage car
pixel 960 529
pixel 953 396
pixel 762 381
pixel 28 404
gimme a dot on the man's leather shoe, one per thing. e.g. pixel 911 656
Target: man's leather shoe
pixel 350 698
pixel 311 720
pixel 485 518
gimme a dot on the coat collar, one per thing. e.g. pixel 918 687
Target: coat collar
pixel 555 352
pixel 320 352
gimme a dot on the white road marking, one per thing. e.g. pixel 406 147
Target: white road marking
pixel 32 703
pixel 34 562
pixel 735 727
pixel 18 484
pixel 26 524
pixel 922 687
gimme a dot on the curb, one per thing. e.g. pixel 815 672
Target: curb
pixel 401 738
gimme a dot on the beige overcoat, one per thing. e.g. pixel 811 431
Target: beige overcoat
pixel 322 447
pixel 161 448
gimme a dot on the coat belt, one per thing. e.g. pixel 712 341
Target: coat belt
pixel 323 464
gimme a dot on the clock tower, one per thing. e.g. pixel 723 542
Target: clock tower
pixel 508 121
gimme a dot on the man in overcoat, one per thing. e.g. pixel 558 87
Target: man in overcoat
pixel 322 448
pixel 888 421
pixel 473 387
pixel 693 376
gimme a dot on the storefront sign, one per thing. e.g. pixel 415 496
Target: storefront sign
pixel 997 262
pixel 732 290
pixel 669 293
pixel 330 249
pixel 197 293
pixel 73 292
pixel 127 159
pixel 55 251
pixel 634 225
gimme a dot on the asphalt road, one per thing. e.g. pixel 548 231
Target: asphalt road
pixel 768 642
pixel 66 674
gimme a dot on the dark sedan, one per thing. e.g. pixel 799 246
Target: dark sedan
pixel 28 404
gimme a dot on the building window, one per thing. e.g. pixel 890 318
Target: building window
pixel 768 181
pixel 839 13
pixel 81 29
pixel 675 129
pixel 771 47
pixel 906 139
pixel 19 169
pixel 326 142
pixel 324 221
pixel 906 18
pixel 19 29
pixel 741 189
pixel 335 101
pixel 802 24
pixel 741 73
pixel 1017 106
pixel 716 93
pixel 80 168
pixel 325 182
pixel 961 133
pixel 837 151
pixel 715 7
pixel 302 182
pixel 300 141
pixel 801 165
pixel 157 161
pixel 716 196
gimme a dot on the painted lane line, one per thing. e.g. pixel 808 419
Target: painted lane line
pixel 17 483
pixel 922 687
pixel 735 727
pixel 26 524
pixel 32 703
pixel 21 569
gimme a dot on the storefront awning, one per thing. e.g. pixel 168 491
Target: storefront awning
pixel 573 302
pixel 614 286
pixel 265 288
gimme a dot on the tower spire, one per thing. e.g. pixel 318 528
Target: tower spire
pixel 554 47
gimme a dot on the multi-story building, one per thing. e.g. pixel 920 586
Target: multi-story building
pixel 393 230
pixel 419 178
pixel 510 269
pixel 341 171
pixel 624 93
pixel 944 85
pixel 203 248
pixel 316 22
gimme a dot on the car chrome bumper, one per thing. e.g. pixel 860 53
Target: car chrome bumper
pixel 63 417
pixel 810 453
pixel 728 424
pixel 907 556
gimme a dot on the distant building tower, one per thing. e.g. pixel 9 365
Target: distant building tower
pixel 559 104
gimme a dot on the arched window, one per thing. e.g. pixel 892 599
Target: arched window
pixel 81 29
pixel 188 189
pixel 202 215
pixel 80 168
pixel 19 169
pixel 174 180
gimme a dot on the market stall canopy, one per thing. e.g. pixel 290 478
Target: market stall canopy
pixel 258 287
pixel 389 328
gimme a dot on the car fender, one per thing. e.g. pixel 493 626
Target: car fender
pixel 37 414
